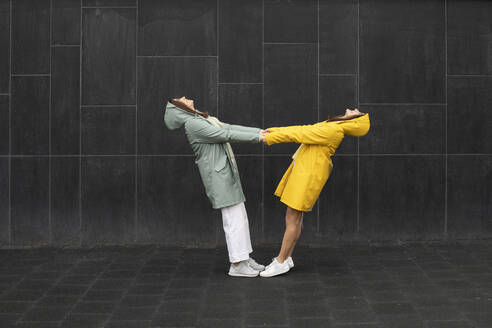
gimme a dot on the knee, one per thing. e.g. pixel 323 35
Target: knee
pixel 292 228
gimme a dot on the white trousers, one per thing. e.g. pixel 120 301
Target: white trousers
pixel 236 228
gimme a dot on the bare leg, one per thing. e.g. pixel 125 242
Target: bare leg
pixel 292 231
pixel 299 229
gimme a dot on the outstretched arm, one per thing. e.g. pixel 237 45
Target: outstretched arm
pixel 304 134
pixel 240 128
pixel 204 132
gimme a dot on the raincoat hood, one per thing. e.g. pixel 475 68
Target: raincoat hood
pixel 356 127
pixel 175 117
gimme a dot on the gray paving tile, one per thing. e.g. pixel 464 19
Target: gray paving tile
pixel 353 316
pixel 311 322
pixel 174 320
pixel 179 306
pixel 133 313
pixel 46 313
pixel 36 324
pixel 14 306
pixel 220 323
pixel 128 324
pixel 84 320
pixel 389 308
pixel 265 318
pixel 94 307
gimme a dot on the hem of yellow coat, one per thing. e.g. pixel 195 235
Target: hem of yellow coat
pixel 294 206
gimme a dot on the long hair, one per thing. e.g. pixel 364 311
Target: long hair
pixel 341 118
pixel 183 106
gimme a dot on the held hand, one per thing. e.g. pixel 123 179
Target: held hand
pixel 263 133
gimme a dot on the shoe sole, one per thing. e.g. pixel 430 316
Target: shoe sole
pixel 243 275
pixel 278 274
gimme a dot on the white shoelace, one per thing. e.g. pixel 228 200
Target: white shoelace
pixel 273 261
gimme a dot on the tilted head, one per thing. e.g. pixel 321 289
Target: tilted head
pixel 349 114
pixel 183 102
pixel 187 105
pixel 178 111
pixel 353 122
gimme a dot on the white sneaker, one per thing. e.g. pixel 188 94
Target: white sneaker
pixel 242 270
pixel 275 268
pixel 290 262
pixel 255 266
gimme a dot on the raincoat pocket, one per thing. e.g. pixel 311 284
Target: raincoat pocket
pixel 220 163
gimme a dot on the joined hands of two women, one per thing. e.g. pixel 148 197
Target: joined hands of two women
pixel 262 135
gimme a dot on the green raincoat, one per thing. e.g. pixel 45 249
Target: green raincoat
pixel 217 167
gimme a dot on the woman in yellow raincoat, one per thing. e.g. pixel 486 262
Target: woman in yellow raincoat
pixel 303 181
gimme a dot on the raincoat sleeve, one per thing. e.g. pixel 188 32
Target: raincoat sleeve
pixel 240 128
pixel 204 132
pixel 304 134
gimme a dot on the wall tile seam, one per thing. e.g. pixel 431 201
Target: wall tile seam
pixel 373 154
pixel 64 45
pixel 109 7
pixel 401 104
pixel 239 83
pixel 31 75
pixel 401 155
pixel 81 35
pixel 112 155
pixel 217 76
pixel 136 124
pixel 263 119
pixel 358 106
pixel 239 155
pixel 290 43
pixel 176 56
pixel 10 128
pixel 115 107
pixel 217 42
pixel 116 155
pixel 317 96
pixel 50 228
pixel 446 117
pixel 468 75
pixel 337 74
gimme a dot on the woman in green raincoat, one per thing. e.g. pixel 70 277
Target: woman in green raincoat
pixel 209 138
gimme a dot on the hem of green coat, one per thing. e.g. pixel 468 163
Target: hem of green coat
pixel 228 204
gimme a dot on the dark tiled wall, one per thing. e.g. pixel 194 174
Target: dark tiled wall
pixel 85 158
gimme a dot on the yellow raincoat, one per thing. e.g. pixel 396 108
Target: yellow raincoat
pixel 311 166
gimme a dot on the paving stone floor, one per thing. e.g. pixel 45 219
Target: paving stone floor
pixel 432 285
